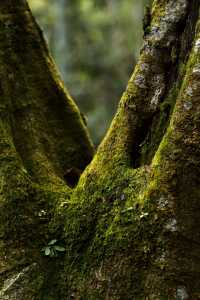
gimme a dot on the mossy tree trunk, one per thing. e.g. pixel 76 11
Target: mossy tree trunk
pixel 130 228
pixel 44 146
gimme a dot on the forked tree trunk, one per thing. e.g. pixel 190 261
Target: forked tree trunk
pixel 130 227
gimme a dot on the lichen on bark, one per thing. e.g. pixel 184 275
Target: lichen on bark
pixel 131 225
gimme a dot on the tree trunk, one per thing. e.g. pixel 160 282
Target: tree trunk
pixel 130 228
pixel 44 145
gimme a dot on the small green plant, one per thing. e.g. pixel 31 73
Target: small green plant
pixel 53 249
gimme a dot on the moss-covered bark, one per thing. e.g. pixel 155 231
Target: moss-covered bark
pixel 130 227
pixel 44 146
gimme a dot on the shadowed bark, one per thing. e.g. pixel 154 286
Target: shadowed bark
pixel 130 228
pixel 43 142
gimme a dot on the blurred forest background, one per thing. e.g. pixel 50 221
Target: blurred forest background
pixel 95 44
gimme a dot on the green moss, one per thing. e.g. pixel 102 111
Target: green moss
pixel 43 136
pixel 158 10
pixel 125 228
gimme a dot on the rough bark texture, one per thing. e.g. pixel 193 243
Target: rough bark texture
pixel 44 144
pixel 130 227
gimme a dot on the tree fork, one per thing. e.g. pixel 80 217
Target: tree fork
pixel 131 226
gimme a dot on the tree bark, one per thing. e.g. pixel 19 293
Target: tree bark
pixel 133 224
pixel 130 227
pixel 44 147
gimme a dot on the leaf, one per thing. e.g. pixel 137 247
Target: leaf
pixel 47 251
pixel 59 248
pixel 52 242
pixel 52 253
